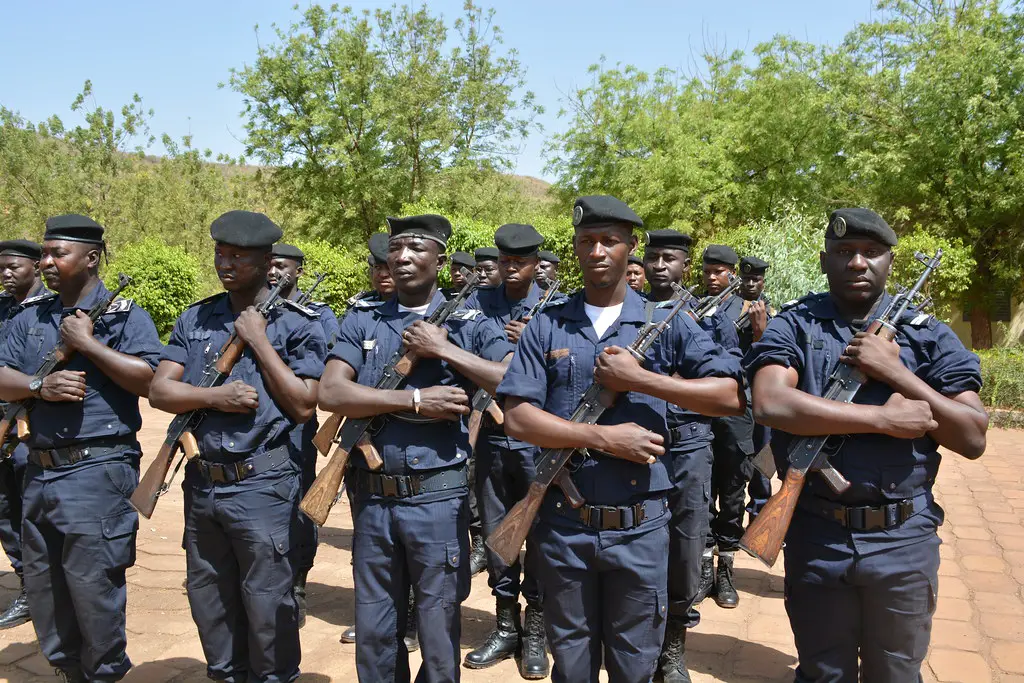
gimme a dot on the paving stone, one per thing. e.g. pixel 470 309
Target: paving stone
pixel 956 609
pixel 955 666
pixel 998 603
pixel 1009 655
pixel 956 635
pixel 1003 626
pixel 952 587
pixel 983 563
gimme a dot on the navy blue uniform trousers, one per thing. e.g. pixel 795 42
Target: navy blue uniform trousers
pixel 12 477
pixel 688 530
pixel 733 448
pixel 605 598
pixel 398 543
pixel 240 573
pixel 78 539
pixel 503 477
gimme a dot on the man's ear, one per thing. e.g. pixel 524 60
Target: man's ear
pixel 821 262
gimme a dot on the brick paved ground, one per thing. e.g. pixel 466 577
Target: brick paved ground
pixel 978 634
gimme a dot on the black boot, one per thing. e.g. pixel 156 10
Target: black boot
pixel 707 578
pixel 477 555
pixel 725 593
pixel 299 592
pixel 672 665
pixel 533 656
pixel 412 638
pixel 17 612
pixel 71 675
pixel 348 636
pixel 502 642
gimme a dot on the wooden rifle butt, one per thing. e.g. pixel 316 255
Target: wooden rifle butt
pixel 475 420
pixel 370 453
pixel 764 537
pixel 508 538
pixel 494 411
pixel 230 354
pixel 324 438
pixel 148 491
pixel 21 426
pixel 317 502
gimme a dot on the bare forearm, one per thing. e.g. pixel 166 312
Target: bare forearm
pixel 175 397
pixel 798 412
pixel 128 372
pixel 529 423
pixel 351 399
pixel 14 385
pixel 711 396
pixel 962 426
pixel 296 397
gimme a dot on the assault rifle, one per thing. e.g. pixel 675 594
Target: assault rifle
pixel 484 402
pixel 766 534
pixel 707 306
pixel 305 297
pixel 350 434
pixel 17 412
pixel 179 434
pixel 509 536
pixel 743 322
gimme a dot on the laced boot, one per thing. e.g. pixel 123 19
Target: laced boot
pixel 707 576
pixel 725 595
pixel 477 555
pixel 672 664
pixel 299 592
pixel 533 656
pixel 17 612
pixel 348 636
pixel 502 642
pixel 71 675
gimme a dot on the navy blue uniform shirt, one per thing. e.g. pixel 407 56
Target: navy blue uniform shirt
pixel 554 366
pixel 809 337
pixel 202 330
pixel 9 307
pixel 328 321
pixel 721 324
pixel 370 337
pixel 494 303
pixel 108 410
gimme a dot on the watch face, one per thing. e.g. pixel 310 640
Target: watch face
pixel 35 385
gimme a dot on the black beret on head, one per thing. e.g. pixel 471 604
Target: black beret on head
pixel 633 258
pixel 246 229
pixel 518 239
pixel 602 209
pixel 719 253
pixel 751 265
pixel 549 256
pixel 669 239
pixel 486 254
pixel 428 226
pixel 73 227
pixel 462 258
pixel 288 251
pixel 378 245
pixel 862 223
pixel 23 248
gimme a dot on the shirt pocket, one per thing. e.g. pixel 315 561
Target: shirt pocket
pixel 35 337
pixel 563 378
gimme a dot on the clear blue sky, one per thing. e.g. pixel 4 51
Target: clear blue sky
pixel 175 53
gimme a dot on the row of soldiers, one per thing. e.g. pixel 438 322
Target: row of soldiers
pixel 613 582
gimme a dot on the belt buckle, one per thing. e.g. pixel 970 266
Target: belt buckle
pixel 905 510
pixel 611 518
pixel 639 514
pixel 874 518
pixel 388 486
pixel 46 459
pixel 215 473
pixel 243 470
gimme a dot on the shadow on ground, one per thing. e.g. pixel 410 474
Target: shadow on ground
pixel 731 659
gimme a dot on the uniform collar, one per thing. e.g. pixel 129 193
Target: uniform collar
pixel 389 309
pixel 633 308
pixel 89 300
pixel 825 308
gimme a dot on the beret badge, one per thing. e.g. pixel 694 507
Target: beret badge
pixel 577 215
pixel 839 226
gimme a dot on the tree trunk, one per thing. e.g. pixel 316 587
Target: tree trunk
pixel 981 328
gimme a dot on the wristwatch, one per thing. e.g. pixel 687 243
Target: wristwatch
pixel 35 386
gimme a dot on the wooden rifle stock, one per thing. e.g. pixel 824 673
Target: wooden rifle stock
pixel 475 419
pixel 324 438
pixel 507 540
pixel 152 485
pixel 764 537
pixel 370 454
pixel 230 355
pixel 317 502
pixel 22 427
pixel 494 411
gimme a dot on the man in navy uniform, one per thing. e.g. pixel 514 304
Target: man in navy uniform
pixel 458 261
pixel 487 265
pixel 547 268
pixel 667 262
pixel 635 277
pixel 78 530
pixel 242 492
pixel 505 468
pixel 862 567
pixel 411 518
pixel 604 567
pixel 733 443
pixel 19 274
pixel 287 260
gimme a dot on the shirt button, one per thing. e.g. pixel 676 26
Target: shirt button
pixel 558 505
pixel 632 482
pixel 110 426
pixel 415 461
pixel 892 486
pixel 231 444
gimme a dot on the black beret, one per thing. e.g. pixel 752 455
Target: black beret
pixel 518 239
pixel 486 254
pixel 633 258
pixel 859 222
pixel 462 258
pixel 669 239
pixel 751 265
pixel 428 226
pixel 549 256
pixel 602 209
pixel 719 253
pixel 246 229
pixel 378 245
pixel 288 251
pixel 23 248
pixel 73 227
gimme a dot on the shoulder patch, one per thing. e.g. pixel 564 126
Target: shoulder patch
pixel 119 306
pixel 209 299
pixel 365 305
pixel 464 314
pixel 308 312
pixel 37 299
pixel 806 298
pixel 918 319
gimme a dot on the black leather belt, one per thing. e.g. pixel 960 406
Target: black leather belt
pixel 48 458
pixel 614 517
pixel 406 486
pixel 231 472
pixel 865 517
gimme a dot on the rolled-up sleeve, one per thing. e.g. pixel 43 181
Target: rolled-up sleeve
pixel 349 346
pixel 696 355
pixel 490 342
pixel 779 346
pixel 176 349
pixel 307 349
pixel 953 369
pixel 139 338
pixel 526 377
pixel 12 349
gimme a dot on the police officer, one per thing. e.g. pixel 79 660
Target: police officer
pixel 287 260
pixel 547 268
pixel 242 492
pixel 667 262
pixel 635 277
pixel 603 567
pixel 758 310
pixel 861 568
pixel 411 518
pixel 487 266
pixel 733 442
pixel 458 261
pixel 505 468
pixel 78 530
pixel 19 274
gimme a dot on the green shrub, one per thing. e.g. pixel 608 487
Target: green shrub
pixel 347 272
pixel 1002 371
pixel 165 279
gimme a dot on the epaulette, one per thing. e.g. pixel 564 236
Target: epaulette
pixel 464 314
pixel 208 300
pixel 119 306
pixel 308 312
pixel 37 299
pixel 558 301
pixel 918 319
pixel 366 304
pixel 796 302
